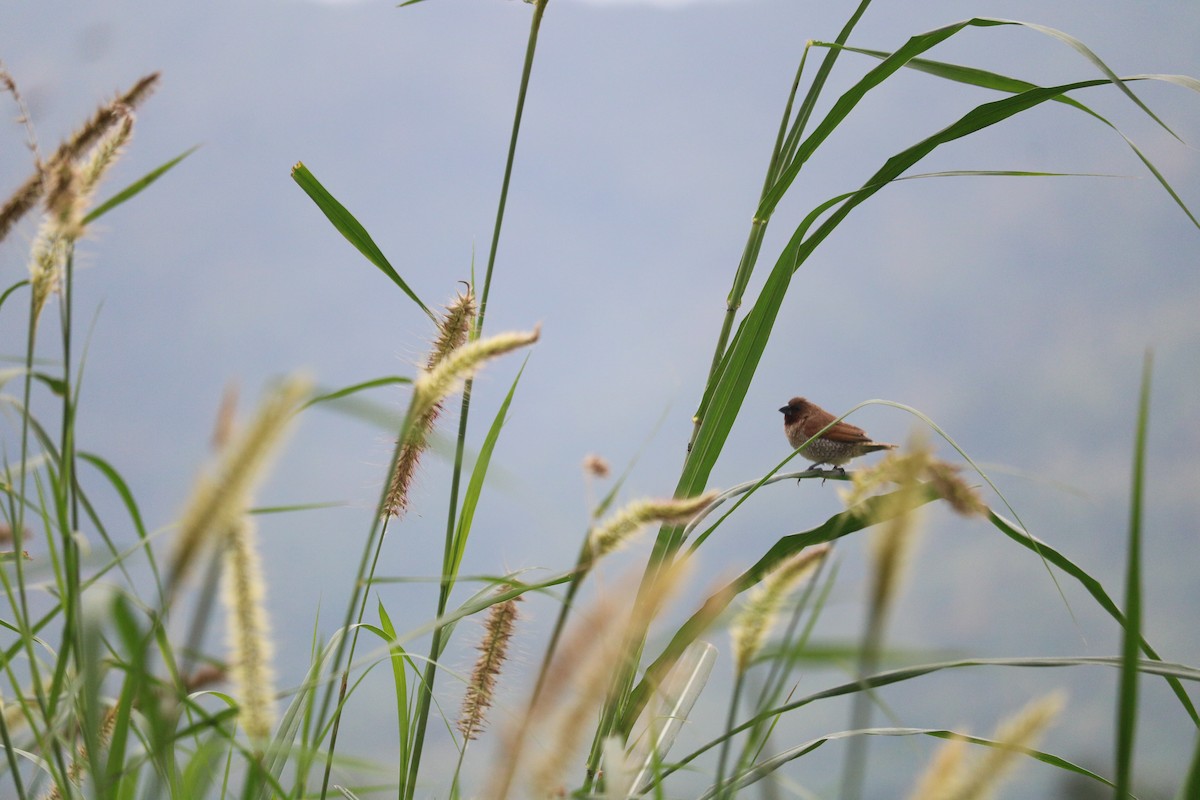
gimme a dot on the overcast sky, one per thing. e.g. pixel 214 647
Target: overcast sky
pixel 1013 311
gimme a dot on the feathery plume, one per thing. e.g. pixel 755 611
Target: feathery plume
pixel 69 193
pixel 453 328
pixel 953 489
pixel 891 545
pixel 219 500
pixel 250 647
pixel 624 523
pixel 915 463
pixel 434 385
pixel 493 651
pixel 753 625
pixel 27 195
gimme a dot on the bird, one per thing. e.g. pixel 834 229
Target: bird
pixel 836 446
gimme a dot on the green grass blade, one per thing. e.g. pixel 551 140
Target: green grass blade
pixel 764 768
pixel 744 353
pixel 475 485
pixel 1191 784
pixel 1127 693
pixel 1094 588
pixel 350 228
pixel 991 80
pixel 338 394
pixel 891 677
pixel 12 289
pixel 848 101
pixel 136 187
pixel 400 683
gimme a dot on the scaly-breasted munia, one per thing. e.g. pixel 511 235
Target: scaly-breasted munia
pixel 802 420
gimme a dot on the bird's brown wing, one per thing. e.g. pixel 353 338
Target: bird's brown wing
pixel 841 432
pixel 845 432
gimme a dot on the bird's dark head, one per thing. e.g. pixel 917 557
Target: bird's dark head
pixel 795 406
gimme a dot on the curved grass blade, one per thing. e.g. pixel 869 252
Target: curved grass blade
pixel 991 80
pixel 118 483
pixel 1191 784
pixel 890 677
pixel 1127 692
pixel 760 770
pixel 1094 588
pixel 337 394
pixel 475 485
pixel 400 683
pixel 12 289
pixel 135 188
pixel 351 228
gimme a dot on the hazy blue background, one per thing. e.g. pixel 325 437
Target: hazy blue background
pixel 1015 312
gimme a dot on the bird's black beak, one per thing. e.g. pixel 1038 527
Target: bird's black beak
pixel 785 409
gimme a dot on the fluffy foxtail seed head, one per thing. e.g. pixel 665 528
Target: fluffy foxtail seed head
pixel 25 197
pixel 220 499
pixel 951 777
pixel 916 463
pixel 434 385
pixel 493 651
pixel 69 193
pixel 623 524
pixel 250 647
pixel 453 328
pixel 753 625
pixel 944 774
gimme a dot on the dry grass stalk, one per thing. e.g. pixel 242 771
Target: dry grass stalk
pixel 26 196
pixel 453 329
pixel 219 500
pixel 250 647
pixel 753 625
pixel 493 651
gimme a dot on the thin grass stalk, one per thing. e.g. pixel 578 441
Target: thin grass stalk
pixel 348 640
pixel 723 791
pixel 1127 693
pixel 773 686
pixel 45 702
pixel 425 690
pixel 814 91
pixel 67 500
pixel 580 571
